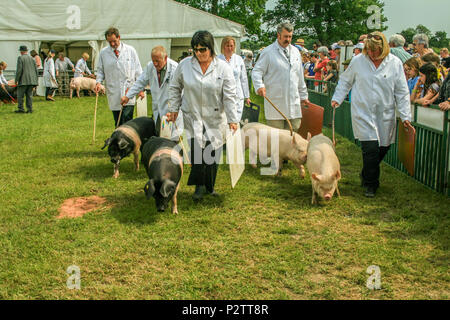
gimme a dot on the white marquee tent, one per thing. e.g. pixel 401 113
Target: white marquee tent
pixel 78 25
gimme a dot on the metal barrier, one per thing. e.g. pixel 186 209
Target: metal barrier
pixel 432 154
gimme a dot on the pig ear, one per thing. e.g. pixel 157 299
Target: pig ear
pixel 149 188
pixel 338 174
pixel 308 137
pixel 167 187
pixel 123 143
pixel 107 143
pixel 315 177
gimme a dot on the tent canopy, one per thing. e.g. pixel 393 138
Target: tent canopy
pixel 142 23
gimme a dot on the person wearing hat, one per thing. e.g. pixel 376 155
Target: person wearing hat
pixel 49 76
pixel 26 79
pixel 358 49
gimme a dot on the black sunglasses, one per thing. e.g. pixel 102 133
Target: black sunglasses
pixel 375 36
pixel 202 50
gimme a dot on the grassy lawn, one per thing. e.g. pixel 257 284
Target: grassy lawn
pixel 262 240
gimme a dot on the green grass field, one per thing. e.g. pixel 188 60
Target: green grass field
pixel 262 240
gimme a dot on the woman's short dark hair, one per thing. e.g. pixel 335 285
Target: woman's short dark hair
pixel 33 53
pixel 203 38
pixel 431 74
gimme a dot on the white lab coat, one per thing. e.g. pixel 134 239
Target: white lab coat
pixel 240 76
pixel 3 79
pixel 81 67
pixel 160 95
pixel 119 73
pixel 376 93
pixel 208 100
pixel 283 79
pixel 49 74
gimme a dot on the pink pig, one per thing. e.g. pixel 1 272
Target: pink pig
pixel 83 83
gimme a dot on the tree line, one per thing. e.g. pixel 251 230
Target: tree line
pixel 327 21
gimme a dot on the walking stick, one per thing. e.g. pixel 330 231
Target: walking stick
pixel 12 99
pixel 180 141
pixel 95 117
pixel 282 114
pixel 120 115
pixel 332 126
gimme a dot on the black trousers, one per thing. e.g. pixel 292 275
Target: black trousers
pixel 26 91
pixel 373 154
pixel 127 115
pixel 205 163
pixel 49 91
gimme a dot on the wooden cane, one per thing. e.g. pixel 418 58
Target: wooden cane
pixel 332 126
pixel 95 117
pixel 120 115
pixel 180 140
pixel 282 114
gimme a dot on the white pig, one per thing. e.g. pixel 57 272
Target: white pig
pixel 289 147
pixel 324 168
pixel 83 83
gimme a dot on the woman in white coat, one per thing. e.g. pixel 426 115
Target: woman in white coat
pixel 236 63
pixel 203 86
pixel 49 76
pixel 379 87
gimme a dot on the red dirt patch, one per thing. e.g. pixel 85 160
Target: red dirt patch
pixel 78 207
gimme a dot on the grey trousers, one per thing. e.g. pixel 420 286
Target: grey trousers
pixel 26 91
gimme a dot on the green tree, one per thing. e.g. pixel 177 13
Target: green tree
pixel 327 20
pixel 422 29
pixel 408 34
pixel 246 12
pixel 439 40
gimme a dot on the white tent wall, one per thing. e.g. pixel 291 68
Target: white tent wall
pixel 9 51
pixel 87 20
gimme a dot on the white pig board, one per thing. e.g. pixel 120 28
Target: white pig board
pixel 166 128
pixel 235 156
pixel 141 106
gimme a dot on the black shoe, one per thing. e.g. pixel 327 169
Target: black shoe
pixel 213 193
pixel 199 193
pixel 29 111
pixel 370 192
pixel 19 111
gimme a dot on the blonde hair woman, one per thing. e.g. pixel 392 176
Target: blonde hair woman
pixel 228 49
pixel 379 87
pixel 81 68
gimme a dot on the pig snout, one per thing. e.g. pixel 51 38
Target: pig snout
pixel 327 196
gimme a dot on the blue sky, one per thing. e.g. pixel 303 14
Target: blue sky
pixel 401 14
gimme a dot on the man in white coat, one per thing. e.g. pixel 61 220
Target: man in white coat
pixel 119 66
pixel 158 74
pixel 379 87
pixel 278 73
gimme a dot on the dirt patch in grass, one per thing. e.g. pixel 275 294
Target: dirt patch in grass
pixel 78 207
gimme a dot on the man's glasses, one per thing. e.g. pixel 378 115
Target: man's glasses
pixel 202 50
pixel 375 36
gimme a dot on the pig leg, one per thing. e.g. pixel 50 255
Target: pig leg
pixel 314 197
pixel 78 92
pixel 71 91
pixel 252 159
pixel 302 172
pixel 174 201
pixel 136 160
pixel 116 171
pixel 337 191
pixel 280 167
